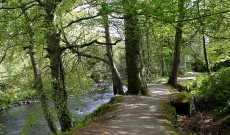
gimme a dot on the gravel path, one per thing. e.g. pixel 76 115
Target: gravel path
pixel 135 115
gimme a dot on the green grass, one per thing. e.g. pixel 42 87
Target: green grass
pixel 160 80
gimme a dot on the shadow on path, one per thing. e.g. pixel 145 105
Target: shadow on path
pixel 135 115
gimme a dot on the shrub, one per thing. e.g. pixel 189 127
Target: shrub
pixel 11 96
pixel 222 63
pixel 216 88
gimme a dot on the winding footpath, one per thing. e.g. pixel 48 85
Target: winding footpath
pixel 136 115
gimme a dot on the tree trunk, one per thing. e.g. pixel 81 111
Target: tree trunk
pixel 117 84
pixel 162 64
pixel 57 70
pixel 4 55
pixel 203 40
pixel 39 87
pixel 205 53
pixel 38 79
pixel 178 39
pixel 58 81
pixel 134 62
pixel 148 61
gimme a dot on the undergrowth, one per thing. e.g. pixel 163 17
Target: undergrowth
pixel 211 94
pixel 215 89
pixel 12 96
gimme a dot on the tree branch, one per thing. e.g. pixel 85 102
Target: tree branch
pixel 90 56
pixel 80 19
pixel 116 17
pixel 40 3
pixel 100 43
pixel 5 52
pixel 72 48
pixel 87 44
pixel 191 37
pixel 24 9
pixel 203 16
pixel 3 57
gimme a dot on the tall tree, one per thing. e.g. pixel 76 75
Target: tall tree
pixel 117 84
pixel 37 73
pixel 177 50
pixel 57 69
pixel 134 62
pixel 204 38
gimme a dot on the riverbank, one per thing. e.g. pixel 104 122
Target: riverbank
pixel 16 97
pixel 18 103
pixel 16 119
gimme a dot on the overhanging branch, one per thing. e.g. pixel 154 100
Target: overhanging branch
pixel 203 16
pixel 90 56
pixel 100 43
pixel 24 9
pixel 40 3
pixel 86 44
pixel 74 50
pixel 80 19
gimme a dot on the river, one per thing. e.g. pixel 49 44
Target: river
pixel 15 119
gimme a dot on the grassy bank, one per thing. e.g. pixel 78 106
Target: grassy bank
pixel 169 118
pixel 102 113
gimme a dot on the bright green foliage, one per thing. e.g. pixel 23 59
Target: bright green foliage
pixel 219 55
pixel 16 80
pixel 222 63
pixel 216 88
pixel 11 96
pixel 78 81
pixel 157 25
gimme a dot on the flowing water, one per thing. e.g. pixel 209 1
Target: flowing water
pixel 15 119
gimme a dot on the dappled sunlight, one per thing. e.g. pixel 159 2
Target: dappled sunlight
pixel 144 117
pixel 139 115
pixel 179 79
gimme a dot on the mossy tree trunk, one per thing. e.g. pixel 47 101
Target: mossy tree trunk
pixel 37 76
pixel 57 69
pixel 39 88
pixel 134 62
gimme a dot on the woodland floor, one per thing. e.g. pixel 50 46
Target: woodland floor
pixel 135 115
